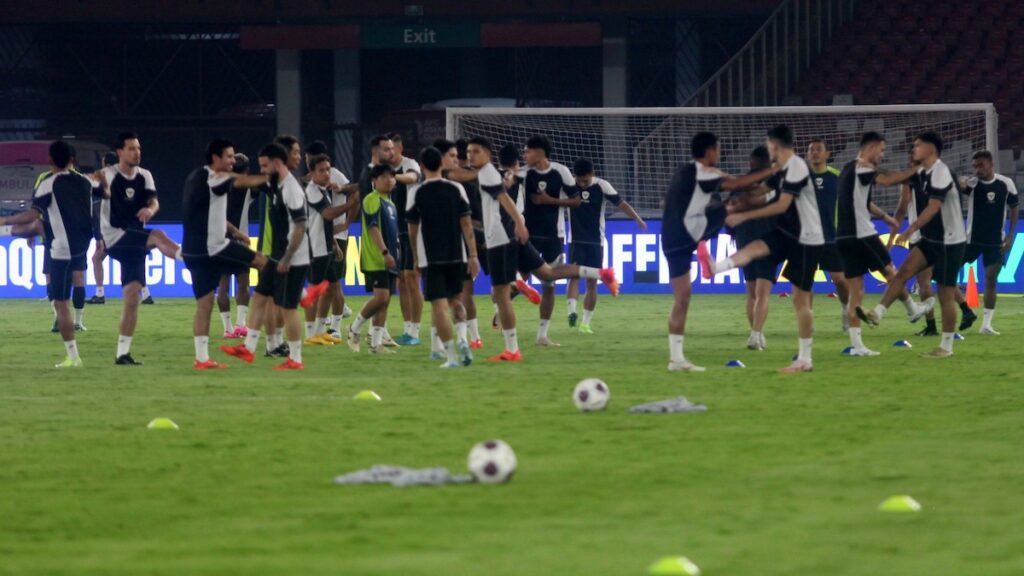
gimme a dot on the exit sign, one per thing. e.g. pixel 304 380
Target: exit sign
pixel 421 36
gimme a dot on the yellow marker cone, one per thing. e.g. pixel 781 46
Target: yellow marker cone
pixel 674 565
pixel 901 503
pixel 367 395
pixel 162 424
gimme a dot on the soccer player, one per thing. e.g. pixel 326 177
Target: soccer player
pixel 377 257
pixel 547 186
pixel 326 264
pixel 759 275
pixel 508 247
pixel 131 202
pixel 798 239
pixel 858 242
pixel 62 200
pixel 912 200
pixel 942 218
pixel 100 253
pixel 993 196
pixel 213 247
pixel 410 298
pixel 826 180
pixel 689 217
pixel 587 225
pixel 281 280
pixel 237 211
pixel 441 230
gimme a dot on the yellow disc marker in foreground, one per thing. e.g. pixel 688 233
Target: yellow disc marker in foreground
pixel 901 503
pixel 162 424
pixel 367 395
pixel 674 565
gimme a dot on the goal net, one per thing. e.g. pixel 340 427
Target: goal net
pixel 638 149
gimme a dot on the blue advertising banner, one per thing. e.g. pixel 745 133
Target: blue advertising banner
pixel 635 255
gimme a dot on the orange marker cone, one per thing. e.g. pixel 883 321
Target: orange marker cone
pixel 972 289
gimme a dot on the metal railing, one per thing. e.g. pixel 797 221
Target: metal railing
pixel 766 70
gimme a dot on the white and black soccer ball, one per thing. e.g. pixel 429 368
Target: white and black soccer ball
pixel 591 395
pixel 492 462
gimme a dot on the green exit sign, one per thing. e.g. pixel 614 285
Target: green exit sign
pixel 421 36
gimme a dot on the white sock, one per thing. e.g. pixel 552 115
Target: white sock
pixel 80 312
pixel 675 348
pixel 460 331
pixel 252 339
pixel 177 255
pixel 511 341
pixel 722 266
pixel 6 230
pixel 407 328
pixel 855 339
pixel 414 330
pixel 571 304
pixel 376 336
pixel 124 345
pixel 53 306
pixel 588 315
pixel 474 329
pixel 435 342
pixel 242 315
pixel 336 323
pixel 99 291
pixel 542 329
pixel 449 349
pixel 387 335
pixel 986 320
pixel 202 348
pixel 310 327
pixel 144 293
pixel 590 273
pixel 318 326
pixel 880 311
pixel 756 336
pixel 846 310
pixel 947 341
pixel 805 350
pixel 225 318
pixel 72 347
pixel 909 306
pixel 357 324
pixel 268 341
pixel 295 351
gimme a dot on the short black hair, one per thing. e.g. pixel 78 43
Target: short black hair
pixel 123 138
pixel 61 153
pixel 461 147
pixel 286 141
pixel 216 147
pixel 109 159
pixel 380 169
pixel 317 159
pixel 274 151
pixel 540 143
pixel 481 142
pixel 871 137
pixel 582 167
pixel 241 164
pixel 376 140
pixel 761 153
pixel 701 142
pixel 395 137
pixel 782 135
pixel 316 147
pixel 982 155
pixel 508 155
pixel 932 138
pixel 818 140
pixel 443 145
pixel 430 157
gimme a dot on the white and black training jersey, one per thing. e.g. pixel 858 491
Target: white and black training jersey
pixel 856 187
pixel 438 206
pixel 685 220
pixel 320 230
pixel 337 199
pixel 400 194
pixel 546 221
pixel 986 213
pixel 948 225
pixel 499 227
pixel 918 202
pixel 239 200
pixel 64 199
pixel 129 193
pixel 802 220
pixel 205 206
pixel 587 221
pixel 287 210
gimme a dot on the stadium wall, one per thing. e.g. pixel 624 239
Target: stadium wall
pixel 635 254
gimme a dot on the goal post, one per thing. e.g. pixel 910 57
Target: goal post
pixel 638 149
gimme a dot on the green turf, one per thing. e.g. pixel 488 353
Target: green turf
pixel 781 476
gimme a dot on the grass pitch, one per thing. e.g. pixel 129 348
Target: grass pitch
pixel 781 476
